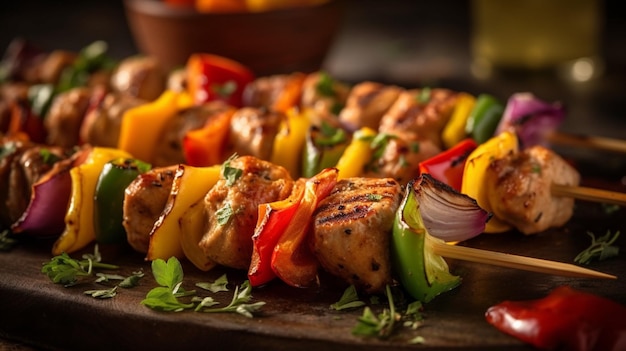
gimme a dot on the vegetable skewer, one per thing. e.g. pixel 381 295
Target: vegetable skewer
pixel 589 194
pixel 596 142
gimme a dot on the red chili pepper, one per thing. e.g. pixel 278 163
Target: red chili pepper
pixel 292 259
pixel 566 319
pixel 204 147
pixel 448 166
pixel 273 221
pixel 212 77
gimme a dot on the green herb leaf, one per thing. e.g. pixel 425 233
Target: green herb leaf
pixel 600 248
pixel 349 299
pixel 224 214
pixel 381 326
pixel 162 299
pixel 102 294
pixel 6 243
pixel 226 89
pixel 239 303
pixel 169 273
pixel 218 285
pixel 63 269
pixel 424 95
pixel 330 135
pixel 374 197
pixel 231 174
pixel 325 86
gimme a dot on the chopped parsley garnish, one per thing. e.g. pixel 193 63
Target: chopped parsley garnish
pixel 63 269
pixel 225 89
pixel 231 174
pixel 424 95
pixel 325 86
pixel 48 157
pixel 349 299
pixel 600 248
pixel 374 197
pixel 330 136
pixel 224 214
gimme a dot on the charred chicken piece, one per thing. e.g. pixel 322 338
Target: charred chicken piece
pixel 103 120
pixel 366 105
pixel 21 166
pixel 144 200
pixel 170 148
pixel 264 91
pixel 323 94
pixel 252 132
pixel 401 156
pixel 352 231
pixel 66 116
pixel 140 77
pixel 424 112
pixel 232 208
pixel 519 189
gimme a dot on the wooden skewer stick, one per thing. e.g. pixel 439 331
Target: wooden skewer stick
pixel 513 261
pixel 590 194
pixel 585 141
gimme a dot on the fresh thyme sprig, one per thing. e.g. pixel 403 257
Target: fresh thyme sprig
pixel 600 248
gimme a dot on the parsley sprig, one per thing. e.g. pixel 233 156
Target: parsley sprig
pixel 65 270
pixel 600 248
pixel 166 297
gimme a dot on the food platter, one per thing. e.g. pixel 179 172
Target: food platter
pixel 46 315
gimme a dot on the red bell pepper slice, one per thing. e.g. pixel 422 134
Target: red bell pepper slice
pixel 448 166
pixel 204 147
pixel 566 319
pixel 292 260
pixel 273 221
pixel 212 77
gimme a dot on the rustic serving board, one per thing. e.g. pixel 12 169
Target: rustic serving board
pixel 37 312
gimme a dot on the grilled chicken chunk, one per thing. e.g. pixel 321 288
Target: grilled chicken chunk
pixel 252 132
pixel 169 150
pixel 66 116
pixel 323 94
pixel 424 112
pixel 102 123
pixel 367 103
pixel 22 164
pixel 140 77
pixel 352 230
pixel 519 189
pixel 144 200
pixel 232 209
pixel 264 91
pixel 401 157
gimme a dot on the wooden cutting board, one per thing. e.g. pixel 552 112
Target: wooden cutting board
pixel 37 312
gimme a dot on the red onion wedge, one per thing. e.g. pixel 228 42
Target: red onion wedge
pixel 50 196
pixel 448 214
pixel 531 118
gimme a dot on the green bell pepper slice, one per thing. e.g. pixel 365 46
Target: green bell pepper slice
pixel 115 176
pixel 484 118
pixel 422 273
pixel 324 146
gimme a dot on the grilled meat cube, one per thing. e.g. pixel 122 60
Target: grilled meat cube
pixel 144 200
pixel 352 231
pixel 425 118
pixel 366 105
pixel 140 77
pixel 252 132
pixel 10 93
pixel 232 209
pixel 102 123
pixel 519 189
pixel 264 91
pixel 401 157
pixel 323 94
pixel 66 115
pixel 170 148
pixel 21 166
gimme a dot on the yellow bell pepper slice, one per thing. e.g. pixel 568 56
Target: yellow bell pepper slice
pixel 454 131
pixel 357 154
pixel 289 141
pixel 79 225
pixel 474 173
pixel 189 186
pixel 142 125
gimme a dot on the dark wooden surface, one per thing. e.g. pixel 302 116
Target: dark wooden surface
pixel 38 313
pixel 395 41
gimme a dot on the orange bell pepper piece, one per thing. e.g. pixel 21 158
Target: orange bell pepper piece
pixel 292 259
pixel 290 95
pixel 204 147
pixel 220 6
pixel 212 77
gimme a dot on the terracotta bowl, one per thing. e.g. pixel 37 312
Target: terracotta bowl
pixel 280 41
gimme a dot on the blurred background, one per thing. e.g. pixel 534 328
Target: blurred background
pixel 404 42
